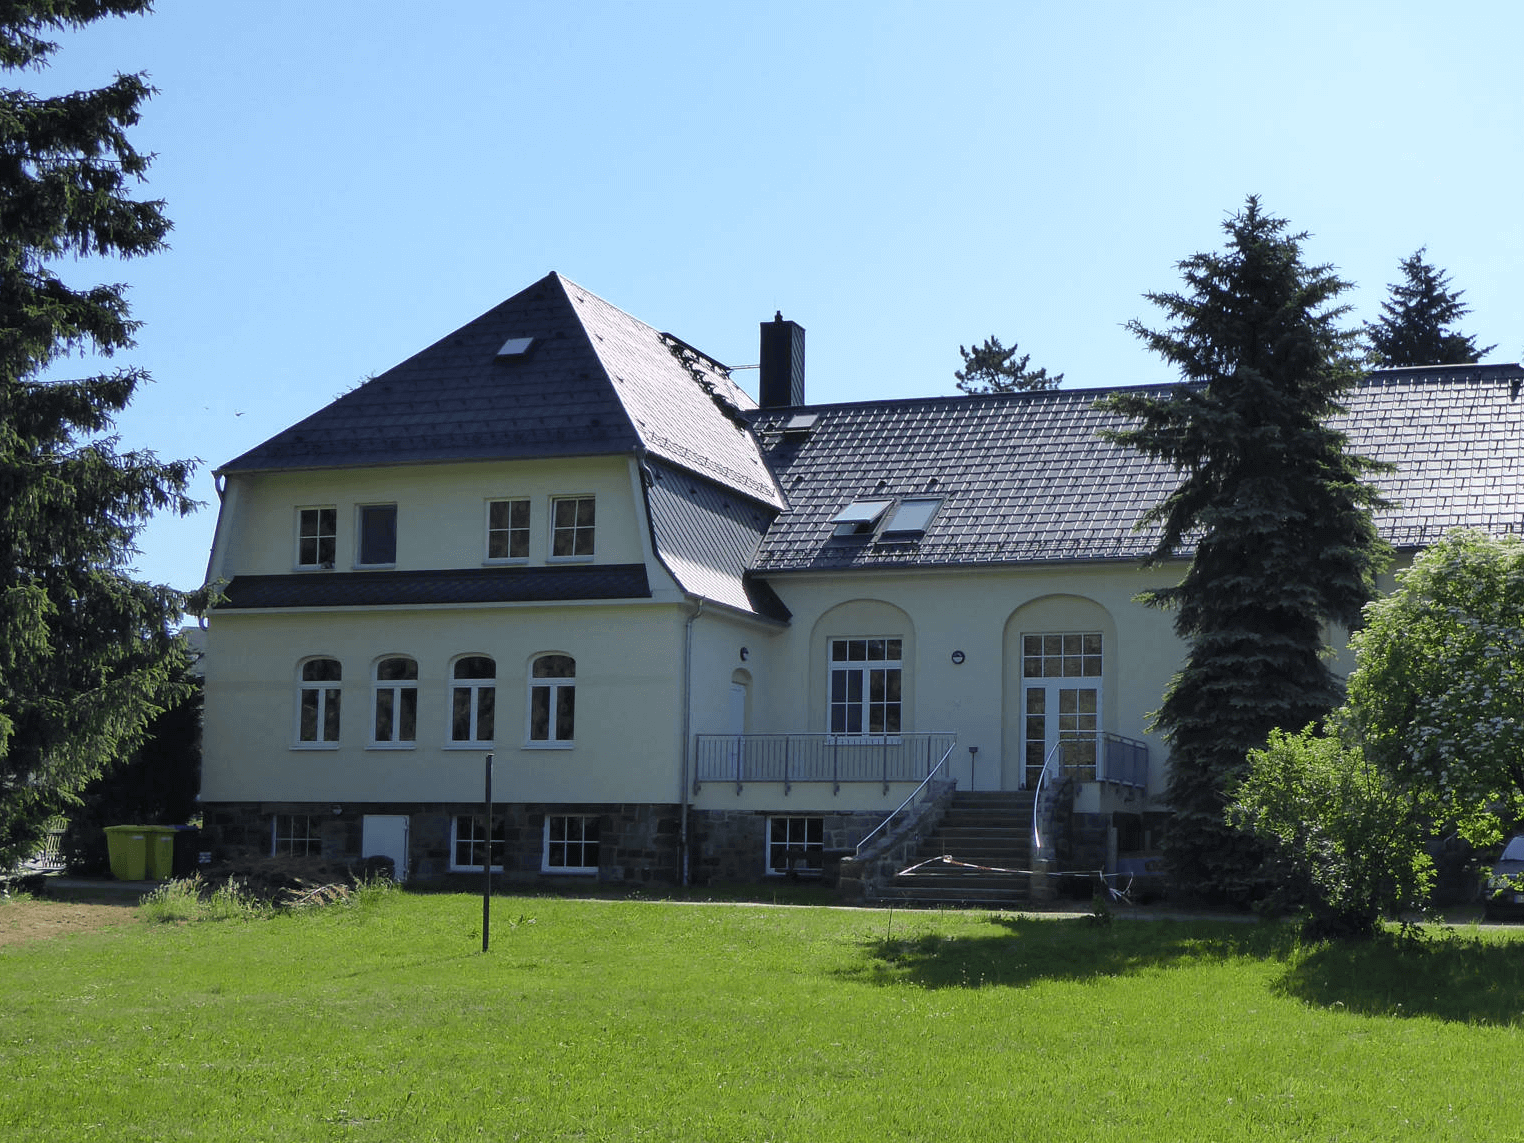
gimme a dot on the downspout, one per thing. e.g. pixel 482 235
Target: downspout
pixel 682 826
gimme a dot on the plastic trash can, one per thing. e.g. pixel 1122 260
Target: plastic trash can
pixel 127 849
pixel 159 855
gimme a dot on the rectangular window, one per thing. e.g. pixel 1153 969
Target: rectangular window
pixel 507 529
pixel 317 722
pixel 795 845
pixel 552 700
pixel 296 835
pixel 571 533
pixel 866 678
pixel 1065 656
pixel 378 534
pixel 468 843
pixel 571 844
pixel 317 531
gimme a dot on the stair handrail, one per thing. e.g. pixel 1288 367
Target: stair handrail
pixel 914 794
pixel 1042 779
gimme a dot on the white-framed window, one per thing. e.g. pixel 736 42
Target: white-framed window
pixel 507 530
pixel 378 535
pixel 1062 673
pixel 295 835
pixel 866 677
pixel 571 527
pixel 317 703
pixel 469 846
pixel 394 702
pixel 317 535
pixel 571 844
pixel 795 845
pixel 552 700
pixel 473 700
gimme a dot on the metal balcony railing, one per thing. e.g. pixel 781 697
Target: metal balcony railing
pixel 834 758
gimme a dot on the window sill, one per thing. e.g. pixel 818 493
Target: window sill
pixel 578 870
pixel 453 745
pixel 314 746
pixel 506 561
pixel 570 559
pixel 376 567
pixel 549 745
pixel 312 568
pixel 472 869
pixel 391 746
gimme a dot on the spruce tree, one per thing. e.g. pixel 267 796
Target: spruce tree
pixel 992 368
pixel 1414 327
pixel 87 657
pixel 1275 513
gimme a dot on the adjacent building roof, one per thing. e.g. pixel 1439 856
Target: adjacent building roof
pixel 552 371
pixel 1026 477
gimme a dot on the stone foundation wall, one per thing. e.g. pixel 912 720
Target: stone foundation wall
pixel 637 843
pixel 731 845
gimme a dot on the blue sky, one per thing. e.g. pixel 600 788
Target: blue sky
pixel 351 181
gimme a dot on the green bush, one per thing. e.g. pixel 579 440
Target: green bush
pixel 1349 836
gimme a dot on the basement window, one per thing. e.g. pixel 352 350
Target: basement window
pixel 859 517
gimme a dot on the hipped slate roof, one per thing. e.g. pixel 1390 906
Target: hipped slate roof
pixel 594 382
pixel 1026 477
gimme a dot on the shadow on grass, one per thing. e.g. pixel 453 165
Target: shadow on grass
pixel 1452 976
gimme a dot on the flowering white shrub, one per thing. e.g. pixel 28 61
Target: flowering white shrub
pixel 1437 695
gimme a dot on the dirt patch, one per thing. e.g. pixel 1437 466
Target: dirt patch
pixel 24 919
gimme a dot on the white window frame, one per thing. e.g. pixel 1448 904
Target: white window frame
pixel 500 842
pixel 580 841
pixel 360 511
pixel 575 528
pixel 317 563
pixel 474 689
pixel 397 687
pixel 797 830
pixel 510 530
pixel 310 837
pixel 863 668
pixel 553 685
pixel 321 688
pixel 1064 660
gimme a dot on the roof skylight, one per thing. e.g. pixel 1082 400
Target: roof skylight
pixel 859 516
pixel 912 516
pixel 515 347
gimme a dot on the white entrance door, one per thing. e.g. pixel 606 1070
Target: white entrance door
pixel 385 835
pixel 1061 675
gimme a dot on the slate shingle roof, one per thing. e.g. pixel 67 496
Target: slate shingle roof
pixel 1025 477
pixel 595 382
pixel 707 538
pixel 467 585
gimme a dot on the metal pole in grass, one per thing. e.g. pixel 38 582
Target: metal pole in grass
pixel 487 861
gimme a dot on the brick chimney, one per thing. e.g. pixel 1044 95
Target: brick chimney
pixel 782 381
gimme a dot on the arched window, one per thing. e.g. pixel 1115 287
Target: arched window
pixel 473 699
pixel 395 703
pixel 552 700
pixel 317 703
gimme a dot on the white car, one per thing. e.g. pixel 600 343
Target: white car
pixel 1505 884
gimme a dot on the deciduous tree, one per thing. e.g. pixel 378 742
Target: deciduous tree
pixel 87 656
pixel 1437 695
pixel 1274 513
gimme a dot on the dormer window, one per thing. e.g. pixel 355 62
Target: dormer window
pixel 911 517
pixel 860 517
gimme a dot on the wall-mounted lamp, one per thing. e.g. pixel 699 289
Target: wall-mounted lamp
pixel 745 654
pixel 957 658
pixel 337 809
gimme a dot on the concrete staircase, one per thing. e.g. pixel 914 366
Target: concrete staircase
pixel 990 829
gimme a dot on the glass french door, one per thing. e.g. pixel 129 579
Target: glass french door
pixel 1061 703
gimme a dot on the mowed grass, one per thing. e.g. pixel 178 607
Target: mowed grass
pixel 598 1020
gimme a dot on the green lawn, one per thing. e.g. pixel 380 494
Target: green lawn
pixel 594 1020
